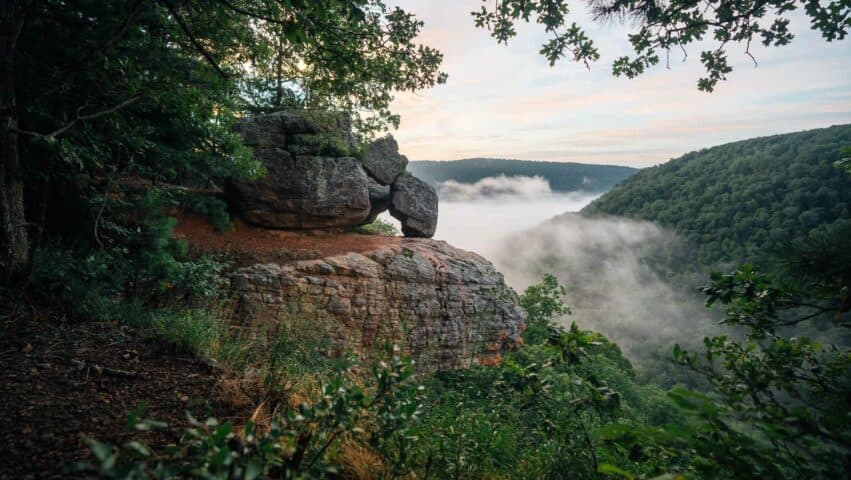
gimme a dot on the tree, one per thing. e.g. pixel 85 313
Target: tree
pixel 779 400
pixel 93 91
pixel 666 26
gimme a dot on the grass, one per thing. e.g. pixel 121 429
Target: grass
pixel 280 361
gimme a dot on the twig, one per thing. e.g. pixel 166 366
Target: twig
pixel 200 48
pixel 100 211
pixel 78 118
pixel 748 52
pixel 99 369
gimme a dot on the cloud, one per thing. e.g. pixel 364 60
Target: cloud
pixel 505 101
pixel 499 187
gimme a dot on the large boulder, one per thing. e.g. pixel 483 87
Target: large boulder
pixel 311 180
pixel 304 192
pixel 382 160
pixel 414 203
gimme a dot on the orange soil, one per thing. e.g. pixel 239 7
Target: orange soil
pixel 250 243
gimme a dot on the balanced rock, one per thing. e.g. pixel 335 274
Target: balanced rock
pixel 382 160
pixel 446 307
pixel 414 203
pixel 311 180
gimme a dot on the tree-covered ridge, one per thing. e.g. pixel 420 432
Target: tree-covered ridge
pixel 563 177
pixel 745 200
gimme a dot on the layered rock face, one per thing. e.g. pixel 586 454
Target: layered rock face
pixel 446 307
pixel 316 178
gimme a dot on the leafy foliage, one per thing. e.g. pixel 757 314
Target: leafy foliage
pixel 137 261
pixel 536 415
pixel 665 26
pixel 778 406
pixel 300 443
pixel 378 227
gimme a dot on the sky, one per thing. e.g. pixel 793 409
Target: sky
pixel 507 102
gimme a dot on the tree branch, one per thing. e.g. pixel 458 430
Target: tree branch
pixel 195 43
pixel 78 118
pixel 249 13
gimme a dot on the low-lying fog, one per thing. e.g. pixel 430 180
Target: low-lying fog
pixel 602 262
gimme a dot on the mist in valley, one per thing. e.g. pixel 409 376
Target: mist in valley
pixel 623 278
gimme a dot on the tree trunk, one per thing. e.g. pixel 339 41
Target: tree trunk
pixel 13 231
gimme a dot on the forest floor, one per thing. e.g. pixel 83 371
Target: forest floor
pixel 64 381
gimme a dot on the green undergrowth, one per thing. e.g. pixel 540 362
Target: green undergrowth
pixel 378 227
pixel 533 416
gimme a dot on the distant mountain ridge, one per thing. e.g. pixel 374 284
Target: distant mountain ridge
pixel 563 177
pixel 744 201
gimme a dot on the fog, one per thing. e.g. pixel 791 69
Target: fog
pixel 614 279
pixel 520 225
pixel 495 188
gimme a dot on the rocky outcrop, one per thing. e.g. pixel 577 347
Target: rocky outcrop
pixel 414 203
pixel 446 307
pixel 311 180
pixel 314 180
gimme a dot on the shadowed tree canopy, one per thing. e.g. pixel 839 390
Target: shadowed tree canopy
pixel 96 90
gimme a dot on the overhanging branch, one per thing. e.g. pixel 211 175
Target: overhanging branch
pixel 195 43
pixel 79 118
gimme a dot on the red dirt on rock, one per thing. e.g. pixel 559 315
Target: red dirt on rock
pixel 250 243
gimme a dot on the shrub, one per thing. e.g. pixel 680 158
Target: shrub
pixel 136 261
pixel 300 443
pixel 378 227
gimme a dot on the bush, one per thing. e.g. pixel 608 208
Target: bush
pixel 137 261
pixel 378 227
pixel 300 443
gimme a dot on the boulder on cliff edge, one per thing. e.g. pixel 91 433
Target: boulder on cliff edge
pixel 414 203
pixel 312 180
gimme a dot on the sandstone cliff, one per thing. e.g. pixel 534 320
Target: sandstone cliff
pixel 446 307
pixel 301 266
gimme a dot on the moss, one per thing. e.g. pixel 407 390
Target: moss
pixel 330 144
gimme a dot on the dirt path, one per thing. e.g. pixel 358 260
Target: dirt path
pixel 61 381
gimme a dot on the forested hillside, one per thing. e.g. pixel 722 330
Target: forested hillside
pixel 563 177
pixel 748 200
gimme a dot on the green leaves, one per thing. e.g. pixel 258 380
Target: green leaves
pixel 543 305
pixel 300 443
pixel 663 27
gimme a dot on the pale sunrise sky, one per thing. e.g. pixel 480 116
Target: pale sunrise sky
pixel 506 102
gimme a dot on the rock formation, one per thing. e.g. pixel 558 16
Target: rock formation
pixel 314 178
pixel 414 203
pixel 382 160
pixel 311 180
pixel 446 307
